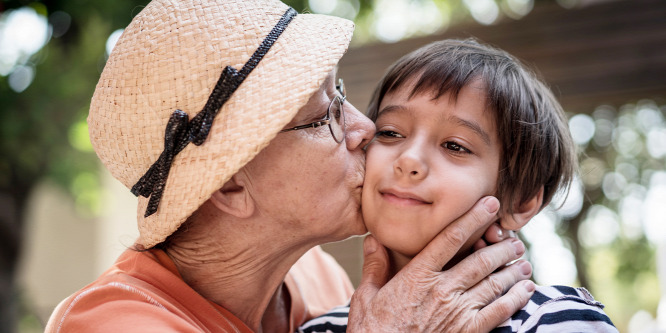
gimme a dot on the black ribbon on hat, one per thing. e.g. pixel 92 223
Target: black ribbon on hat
pixel 180 132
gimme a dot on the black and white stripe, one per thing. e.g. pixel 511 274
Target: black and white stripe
pixel 332 322
pixel 551 309
pixel 559 309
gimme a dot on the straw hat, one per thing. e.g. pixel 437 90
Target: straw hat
pixel 170 57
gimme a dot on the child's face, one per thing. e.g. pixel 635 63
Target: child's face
pixel 431 162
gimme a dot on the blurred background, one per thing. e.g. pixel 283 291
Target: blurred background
pixel 64 220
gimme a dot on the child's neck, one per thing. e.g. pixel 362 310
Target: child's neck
pixel 397 261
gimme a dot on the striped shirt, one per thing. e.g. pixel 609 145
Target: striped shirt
pixel 551 309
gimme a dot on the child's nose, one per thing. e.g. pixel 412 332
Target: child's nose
pixel 411 164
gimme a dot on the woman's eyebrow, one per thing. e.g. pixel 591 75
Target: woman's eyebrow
pixel 474 126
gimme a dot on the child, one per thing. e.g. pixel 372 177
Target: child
pixel 456 121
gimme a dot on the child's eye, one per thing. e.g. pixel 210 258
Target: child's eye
pixel 388 134
pixel 455 147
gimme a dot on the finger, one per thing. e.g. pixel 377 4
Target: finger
pixel 495 234
pixel 496 284
pixel 479 244
pixel 478 265
pixel 375 267
pixel 446 244
pixel 504 307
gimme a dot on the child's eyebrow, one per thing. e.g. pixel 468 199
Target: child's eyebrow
pixel 473 126
pixel 393 109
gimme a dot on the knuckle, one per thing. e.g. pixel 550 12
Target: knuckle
pixel 446 292
pixel 455 235
pixel 509 304
pixel 358 295
pixel 411 275
pixel 478 216
pixel 496 285
pixel 363 294
pixel 373 263
pixel 506 306
pixel 475 326
pixel 372 270
pixel 485 261
pixel 370 267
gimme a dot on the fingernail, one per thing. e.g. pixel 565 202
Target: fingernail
pixel 500 232
pixel 525 268
pixel 519 246
pixel 492 205
pixel 369 245
pixel 529 286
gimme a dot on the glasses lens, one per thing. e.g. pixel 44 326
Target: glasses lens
pixel 341 87
pixel 337 123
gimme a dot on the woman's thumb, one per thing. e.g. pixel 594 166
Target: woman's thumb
pixel 375 265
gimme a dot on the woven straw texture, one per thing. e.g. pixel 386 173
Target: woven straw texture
pixel 170 57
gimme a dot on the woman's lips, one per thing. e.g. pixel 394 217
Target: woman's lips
pixel 402 198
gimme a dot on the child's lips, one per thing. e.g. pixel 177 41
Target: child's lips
pixel 402 198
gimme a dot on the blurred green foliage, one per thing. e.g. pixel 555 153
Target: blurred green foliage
pixel 43 133
pixel 617 169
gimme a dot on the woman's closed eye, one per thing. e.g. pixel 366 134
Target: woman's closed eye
pixel 456 148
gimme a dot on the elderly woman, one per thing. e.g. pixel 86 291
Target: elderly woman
pixel 225 118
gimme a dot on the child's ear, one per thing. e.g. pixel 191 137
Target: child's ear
pixel 233 198
pixel 522 212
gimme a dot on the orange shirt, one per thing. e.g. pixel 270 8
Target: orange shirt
pixel 143 292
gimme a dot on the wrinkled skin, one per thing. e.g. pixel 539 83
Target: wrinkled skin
pixel 468 297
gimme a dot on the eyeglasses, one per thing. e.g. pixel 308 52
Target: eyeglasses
pixel 335 116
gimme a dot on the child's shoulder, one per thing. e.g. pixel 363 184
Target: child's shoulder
pixel 545 294
pixel 558 308
pixel 562 309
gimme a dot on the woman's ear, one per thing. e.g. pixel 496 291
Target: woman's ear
pixel 522 212
pixel 233 198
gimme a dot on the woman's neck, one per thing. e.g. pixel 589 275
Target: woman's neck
pixel 242 273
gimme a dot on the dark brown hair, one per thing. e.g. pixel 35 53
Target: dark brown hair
pixel 537 149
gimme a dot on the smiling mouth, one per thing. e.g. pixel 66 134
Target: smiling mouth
pixel 403 199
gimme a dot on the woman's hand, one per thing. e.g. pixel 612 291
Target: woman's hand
pixel 494 234
pixel 470 297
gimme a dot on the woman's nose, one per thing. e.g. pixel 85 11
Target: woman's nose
pixel 410 164
pixel 359 129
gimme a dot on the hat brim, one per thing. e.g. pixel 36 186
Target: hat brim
pixel 284 80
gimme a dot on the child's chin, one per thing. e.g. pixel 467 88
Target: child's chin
pixel 408 253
